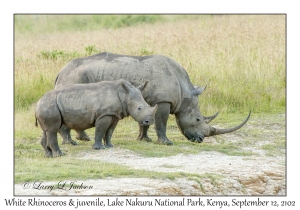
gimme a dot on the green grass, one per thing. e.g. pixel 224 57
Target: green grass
pixel 32 24
pixel 215 179
pixel 243 68
pixel 30 164
pixel 53 23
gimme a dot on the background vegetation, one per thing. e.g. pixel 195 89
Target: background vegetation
pixel 241 59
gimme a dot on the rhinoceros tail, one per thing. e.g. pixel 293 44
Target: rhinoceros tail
pixel 58 105
pixel 56 79
pixel 36 122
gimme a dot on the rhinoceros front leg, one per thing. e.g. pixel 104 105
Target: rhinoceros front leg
pixel 143 133
pixel 161 118
pixel 101 126
pixel 109 133
pixel 65 133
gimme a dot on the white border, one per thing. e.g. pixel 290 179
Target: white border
pixel 153 6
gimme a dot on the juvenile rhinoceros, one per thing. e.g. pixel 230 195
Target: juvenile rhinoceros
pixel 82 106
pixel 170 88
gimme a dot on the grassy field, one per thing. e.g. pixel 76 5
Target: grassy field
pixel 241 59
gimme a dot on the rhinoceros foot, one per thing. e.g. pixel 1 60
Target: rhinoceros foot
pixel 98 146
pixel 109 145
pixel 83 136
pixel 70 141
pixel 57 154
pixel 164 141
pixel 144 138
pixel 48 154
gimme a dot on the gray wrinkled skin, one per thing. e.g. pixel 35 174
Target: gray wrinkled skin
pixel 82 106
pixel 170 88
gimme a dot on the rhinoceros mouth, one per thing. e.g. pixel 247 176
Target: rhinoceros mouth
pixel 194 138
pixel 146 122
pixel 149 120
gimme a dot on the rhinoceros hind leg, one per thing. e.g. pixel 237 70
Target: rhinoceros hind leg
pixel 81 135
pixel 161 118
pixel 65 133
pixel 143 136
pixel 52 144
pixel 48 151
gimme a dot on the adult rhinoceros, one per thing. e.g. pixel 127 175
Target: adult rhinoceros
pixel 170 88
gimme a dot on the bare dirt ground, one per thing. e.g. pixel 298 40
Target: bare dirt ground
pixel 239 175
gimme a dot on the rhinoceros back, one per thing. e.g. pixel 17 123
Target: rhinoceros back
pixel 168 80
pixel 81 104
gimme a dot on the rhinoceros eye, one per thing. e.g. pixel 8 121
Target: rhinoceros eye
pixel 139 108
pixel 198 119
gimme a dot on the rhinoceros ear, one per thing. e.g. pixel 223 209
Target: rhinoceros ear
pixel 128 88
pixel 142 86
pixel 198 90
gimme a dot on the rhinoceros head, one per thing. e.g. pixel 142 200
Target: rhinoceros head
pixel 193 125
pixel 136 106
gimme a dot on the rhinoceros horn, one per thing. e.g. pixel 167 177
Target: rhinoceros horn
pixel 210 118
pixel 154 109
pixel 142 86
pixel 217 131
pixel 198 90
